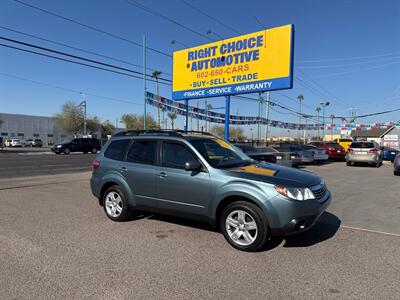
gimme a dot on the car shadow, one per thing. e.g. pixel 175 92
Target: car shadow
pixel 325 229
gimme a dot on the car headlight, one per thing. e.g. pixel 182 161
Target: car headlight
pixel 59 146
pixel 295 193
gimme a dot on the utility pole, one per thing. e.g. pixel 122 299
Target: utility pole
pixel 305 125
pixel 83 104
pixel 206 109
pixel 332 117
pixel 318 109
pixel 323 104
pixel 266 132
pixel 144 83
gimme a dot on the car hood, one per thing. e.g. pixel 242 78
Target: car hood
pixel 275 174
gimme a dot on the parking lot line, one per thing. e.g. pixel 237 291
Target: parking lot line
pixel 372 231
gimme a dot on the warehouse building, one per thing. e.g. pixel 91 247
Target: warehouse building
pixel 25 127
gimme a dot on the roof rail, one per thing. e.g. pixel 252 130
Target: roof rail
pixel 168 132
pixel 147 132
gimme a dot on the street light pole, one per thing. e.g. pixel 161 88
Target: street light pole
pixel 323 104
pixel 83 103
pixel 144 84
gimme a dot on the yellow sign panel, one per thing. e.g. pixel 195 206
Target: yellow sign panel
pixel 254 62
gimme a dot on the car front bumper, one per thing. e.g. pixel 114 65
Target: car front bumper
pixel 296 216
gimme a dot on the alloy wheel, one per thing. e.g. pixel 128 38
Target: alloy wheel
pixel 241 227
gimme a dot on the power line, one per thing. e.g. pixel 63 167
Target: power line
pixel 348 64
pixel 322 88
pixel 348 58
pixel 157 14
pixel 77 57
pixel 357 70
pixel 69 90
pixel 79 49
pixel 209 16
pixel 78 63
pixel 91 27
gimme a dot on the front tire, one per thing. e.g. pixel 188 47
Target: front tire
pixel 244 226
pixel 94 151
pixel 67 151
pixel 115 205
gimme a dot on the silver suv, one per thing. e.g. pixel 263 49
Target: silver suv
pixel 199 176
pixel 364 152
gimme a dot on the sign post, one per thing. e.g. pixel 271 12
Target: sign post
pixel 186 114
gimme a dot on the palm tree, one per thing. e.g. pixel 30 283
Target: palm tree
pixel 301 99
pixel 172 116
pixel 156 75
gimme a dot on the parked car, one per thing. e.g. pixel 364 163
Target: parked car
pixel 284 158
pixel 344 143
pixel 334 150
pixel 320 154
pixel 33 143
pixel 13 143
pixel 84 145
pixel 364 152
pixel 199 176
pixel 389 153
pixel 396 165
pixel 257 153
pixel 306 156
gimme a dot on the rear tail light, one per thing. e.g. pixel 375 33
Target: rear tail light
pixel 373 151
pixel 331 149
pixel 95 165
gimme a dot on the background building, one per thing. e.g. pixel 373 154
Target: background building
pixel 25 127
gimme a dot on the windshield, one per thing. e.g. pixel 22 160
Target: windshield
pixel 362 145
pixel 66 141
pixel 220 154
pixel 268 149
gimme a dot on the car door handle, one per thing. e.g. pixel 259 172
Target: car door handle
pixel 163 175
pixel 124 169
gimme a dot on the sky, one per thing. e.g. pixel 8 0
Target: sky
pixel 345 52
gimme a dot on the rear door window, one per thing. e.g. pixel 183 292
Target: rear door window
pixel 116 150
pixel 142 152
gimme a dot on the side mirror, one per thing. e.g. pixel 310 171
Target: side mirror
pixel 193 165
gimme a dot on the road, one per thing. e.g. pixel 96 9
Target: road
pixel 57 243
pixel 42 163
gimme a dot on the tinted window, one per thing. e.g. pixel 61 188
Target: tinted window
pixel 116 149
pixel 345 140
pixel 176 155
pixel 268 149
pixel 143 152
pixel 362 145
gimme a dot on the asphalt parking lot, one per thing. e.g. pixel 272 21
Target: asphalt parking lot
pixel 41 161
pixel 57 243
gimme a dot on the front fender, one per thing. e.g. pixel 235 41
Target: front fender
pixel 241 189
pixel 117 178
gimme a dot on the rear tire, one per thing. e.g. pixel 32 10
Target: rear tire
pixel 396 173
pixel 115 205
pixel 245 226
pixel 378 164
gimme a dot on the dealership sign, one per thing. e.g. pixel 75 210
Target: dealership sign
pixel 255 62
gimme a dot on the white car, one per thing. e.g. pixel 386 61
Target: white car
pixel 13 143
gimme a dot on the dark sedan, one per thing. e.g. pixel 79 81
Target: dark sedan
pixel 257 153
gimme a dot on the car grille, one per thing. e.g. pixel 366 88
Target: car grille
pixel 321 192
